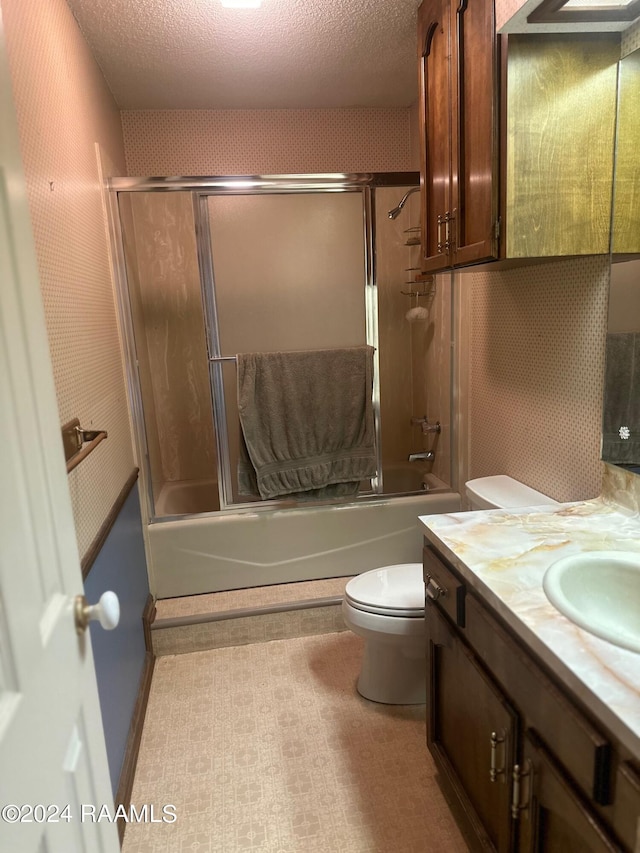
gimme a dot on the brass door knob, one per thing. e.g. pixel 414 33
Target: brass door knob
pixel 106 611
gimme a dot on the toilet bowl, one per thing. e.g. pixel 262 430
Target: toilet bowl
pixel 386 607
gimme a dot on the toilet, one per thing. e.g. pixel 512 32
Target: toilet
pixel 386 607
pixel 502 492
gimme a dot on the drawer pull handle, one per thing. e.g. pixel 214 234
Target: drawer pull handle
pixel 433 589
pixel 494 770
pixel 518 775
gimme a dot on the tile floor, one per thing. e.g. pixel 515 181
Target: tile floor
pixel 268 747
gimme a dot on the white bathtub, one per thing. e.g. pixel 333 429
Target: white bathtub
pixel 410 478
pixel 182 497
pixel 245 549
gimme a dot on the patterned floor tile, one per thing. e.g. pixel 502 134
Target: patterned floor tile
pixel 269 748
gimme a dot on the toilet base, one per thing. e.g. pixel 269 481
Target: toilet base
pixel 393 675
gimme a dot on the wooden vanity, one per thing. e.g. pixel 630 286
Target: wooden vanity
pixel 528 764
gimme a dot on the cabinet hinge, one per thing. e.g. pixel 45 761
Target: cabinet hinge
pixel 496 228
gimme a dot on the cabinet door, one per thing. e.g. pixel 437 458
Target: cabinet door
pixel 434 37
pixel 553 816
pixel 476 133
pixel 466 712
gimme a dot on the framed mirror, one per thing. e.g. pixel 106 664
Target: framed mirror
pixel 621 411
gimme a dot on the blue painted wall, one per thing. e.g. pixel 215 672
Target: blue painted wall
pixel 119 654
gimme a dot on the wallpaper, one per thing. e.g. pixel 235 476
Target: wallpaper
pixel 64 108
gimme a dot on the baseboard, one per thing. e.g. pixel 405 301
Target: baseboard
pixel 148 617
pixel 123 795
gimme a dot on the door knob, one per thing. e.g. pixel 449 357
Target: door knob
pixel 106 611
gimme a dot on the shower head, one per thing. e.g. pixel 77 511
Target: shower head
pixel 398 210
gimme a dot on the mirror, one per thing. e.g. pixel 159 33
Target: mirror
pixel 621 410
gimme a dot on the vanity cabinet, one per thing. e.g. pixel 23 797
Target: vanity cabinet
pixel 551 814
pixel 527 765
pixel 471 749
pixel 458 80
pixel 516 136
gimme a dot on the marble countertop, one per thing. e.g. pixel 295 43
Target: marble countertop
pixel 504 554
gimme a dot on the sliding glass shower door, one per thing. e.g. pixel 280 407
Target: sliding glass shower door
pixel 213 267
pixel 287 271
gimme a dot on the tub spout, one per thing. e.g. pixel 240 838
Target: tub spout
pixel 425 456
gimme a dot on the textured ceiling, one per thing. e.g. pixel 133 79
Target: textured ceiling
pixel 173 54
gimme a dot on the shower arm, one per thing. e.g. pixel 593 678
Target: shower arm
pixel 396 211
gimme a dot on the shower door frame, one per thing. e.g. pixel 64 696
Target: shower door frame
pixel 200 188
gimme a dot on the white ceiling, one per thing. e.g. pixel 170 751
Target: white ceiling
pixel 194 54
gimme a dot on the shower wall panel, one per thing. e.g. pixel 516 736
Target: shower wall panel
pixel 144 366
pixel 393 257
pixel 169 324
pixel 431 347
pixel 415 358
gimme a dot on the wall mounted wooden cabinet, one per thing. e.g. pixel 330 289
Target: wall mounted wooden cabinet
pixel 517 139
pixel 560 121
pixel 458 68
pixel 626 217
pixel 528 766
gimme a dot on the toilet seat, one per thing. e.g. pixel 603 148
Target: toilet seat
pixel 396 591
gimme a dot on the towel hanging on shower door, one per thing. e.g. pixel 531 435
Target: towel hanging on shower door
pixel 307 422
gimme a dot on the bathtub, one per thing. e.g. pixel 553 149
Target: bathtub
pixel 400 479
pixel 181 497
pixel 244 549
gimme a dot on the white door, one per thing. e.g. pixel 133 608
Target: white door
pixel 52 750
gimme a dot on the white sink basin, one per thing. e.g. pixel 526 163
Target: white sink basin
pixel 600 592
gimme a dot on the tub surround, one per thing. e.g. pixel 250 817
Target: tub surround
pixel 503 556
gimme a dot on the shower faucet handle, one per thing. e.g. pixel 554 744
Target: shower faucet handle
pixel 423 422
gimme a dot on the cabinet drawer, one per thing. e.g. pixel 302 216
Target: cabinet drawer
pixel 580 747
pixel 626 808
pixel 443 588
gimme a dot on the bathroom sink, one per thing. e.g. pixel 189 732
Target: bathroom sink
pixel 600 592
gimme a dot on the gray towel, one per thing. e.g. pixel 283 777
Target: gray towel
pixel 307 422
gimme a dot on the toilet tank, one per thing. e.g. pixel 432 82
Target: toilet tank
pixel 502 492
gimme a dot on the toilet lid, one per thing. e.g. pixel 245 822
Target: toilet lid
pixel 391 590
